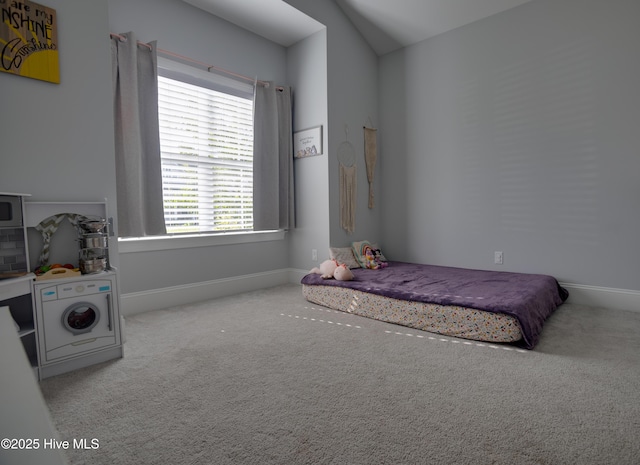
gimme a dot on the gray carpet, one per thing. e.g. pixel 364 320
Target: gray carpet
pixel 267 378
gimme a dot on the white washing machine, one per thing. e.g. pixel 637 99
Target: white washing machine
pixel 77 318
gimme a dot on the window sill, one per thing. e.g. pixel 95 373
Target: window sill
pixel 155 243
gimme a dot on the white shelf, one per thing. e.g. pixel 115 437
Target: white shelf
pixel 35 212
pixel 15 287
pixel 26 329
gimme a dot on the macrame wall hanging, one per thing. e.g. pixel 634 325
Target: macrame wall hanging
pixel 370 156
pixel 348 179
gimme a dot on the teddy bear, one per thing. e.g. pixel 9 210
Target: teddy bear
pixel 332 269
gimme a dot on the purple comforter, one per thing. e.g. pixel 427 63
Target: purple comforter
pixel 530 298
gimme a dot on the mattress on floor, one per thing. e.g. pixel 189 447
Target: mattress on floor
pixel 458 296
pixel 449 320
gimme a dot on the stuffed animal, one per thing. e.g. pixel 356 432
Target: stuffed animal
pixel 377 254
pixel 332 269
pixel 343 273
pixel 326 269
pixel 372 257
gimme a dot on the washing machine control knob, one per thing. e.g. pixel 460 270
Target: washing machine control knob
pixel 79 288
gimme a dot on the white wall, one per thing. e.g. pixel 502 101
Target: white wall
pixel 183 29
pixel 57 139
pixel 307 74
pixel 334 78
pixel 518 133
pixel 352 100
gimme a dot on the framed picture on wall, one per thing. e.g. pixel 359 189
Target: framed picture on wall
pixel 307 143
pixel 29 40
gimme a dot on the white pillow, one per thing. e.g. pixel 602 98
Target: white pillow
pixel 344 255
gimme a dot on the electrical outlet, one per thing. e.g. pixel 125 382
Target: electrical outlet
pixel 498 258
pixel 314 255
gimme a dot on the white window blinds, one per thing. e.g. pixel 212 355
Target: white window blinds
pixel 206 140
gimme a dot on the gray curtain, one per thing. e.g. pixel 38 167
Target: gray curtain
pixel 137 138
pixel 273 204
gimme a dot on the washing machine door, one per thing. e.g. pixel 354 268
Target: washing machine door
pixel 80 318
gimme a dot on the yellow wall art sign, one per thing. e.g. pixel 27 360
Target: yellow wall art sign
pixel 29 40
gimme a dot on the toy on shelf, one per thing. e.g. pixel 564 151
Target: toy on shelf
pixel 56 271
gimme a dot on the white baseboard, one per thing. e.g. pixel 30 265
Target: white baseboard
pixel 595 296
pixel 296 275
pixel 155 299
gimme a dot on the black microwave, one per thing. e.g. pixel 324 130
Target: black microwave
pixel 10 211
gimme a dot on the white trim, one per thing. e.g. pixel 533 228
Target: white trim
pixel 155 243
pixel 155 299
pixel 296 275
pixel 595 296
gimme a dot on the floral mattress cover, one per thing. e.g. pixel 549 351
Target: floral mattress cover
pixel 528 298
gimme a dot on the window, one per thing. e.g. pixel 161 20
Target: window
pixel 206 142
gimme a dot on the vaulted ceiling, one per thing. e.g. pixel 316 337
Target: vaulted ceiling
pixel 386 24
